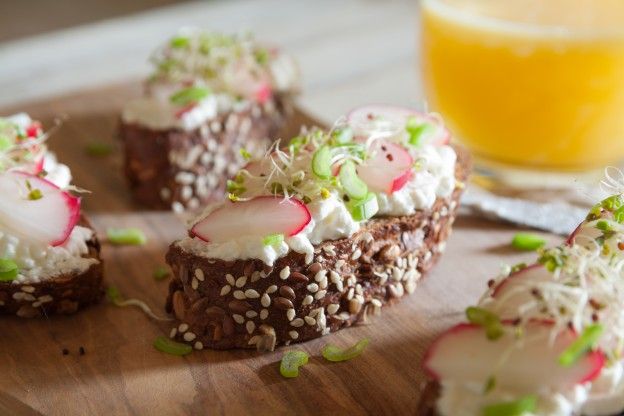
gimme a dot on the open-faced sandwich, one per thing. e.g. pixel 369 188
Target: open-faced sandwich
pixel 210 96
pixel 545 339
pixel 319 233
pixel 49 256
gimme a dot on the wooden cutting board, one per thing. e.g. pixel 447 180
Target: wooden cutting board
pixel 121 373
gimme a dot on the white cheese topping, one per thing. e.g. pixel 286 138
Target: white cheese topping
pixel 57 173
pixel 606 395
pixel 331 220
pixel 38 262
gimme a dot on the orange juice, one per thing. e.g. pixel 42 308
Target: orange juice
pixel 529 83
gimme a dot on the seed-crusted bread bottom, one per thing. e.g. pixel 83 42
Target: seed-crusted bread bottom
pixel 246 304
pixel 63 294
pixel 177 169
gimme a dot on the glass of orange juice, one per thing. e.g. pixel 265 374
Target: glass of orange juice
pixel 528 85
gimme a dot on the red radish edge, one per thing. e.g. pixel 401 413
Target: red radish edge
pixel 445 137
pixel 294 200
pixel 514 275
pixel 72 202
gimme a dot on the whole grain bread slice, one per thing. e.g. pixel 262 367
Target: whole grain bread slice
pixel 63 294
pixel 246 304
pixel 178 169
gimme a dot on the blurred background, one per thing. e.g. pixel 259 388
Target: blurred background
pixel 350 51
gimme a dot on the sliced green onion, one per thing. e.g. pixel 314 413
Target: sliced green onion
pixel 486 319
pixel 418 130
pixel 321 162
pixel 161 273
pixel 291 361
pixel 581 345
pixel 179 42
pixel 189 95
pixel 166 345
pixel 527 242
pixel 126 236
pixel 8 270
pixel 98 149
pixel 352 184
pixel 5 143
pixel 526 404
pixel 296 143
pixel 273 240
pixel 363 209
pixel 618 215
pixel 613 202
pixel 343 135
pixel 335 354
pixel 604 225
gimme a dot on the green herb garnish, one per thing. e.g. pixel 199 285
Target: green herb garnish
pixel 581 345
pixel 527 242
pixel 189 95
pixel 98 149
pixel 126 236
pixel 526 404
pixel 8 270
pixel 273 240
pixel 5 143
pixel 35 194
pixel 351 183
pixel 342 136
pixel 365 208
pixel 291 361
pixel 161 273
pixel 179 42
pixel 244 153
pixel 489 321
pixel 335 354
pixel 166 345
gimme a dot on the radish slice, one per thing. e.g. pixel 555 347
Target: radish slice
pixel 464 354
pixel 583 234
pixel 260 216
pixel 48 220
pixel 394 120
pixel 515 290
pixel 389 168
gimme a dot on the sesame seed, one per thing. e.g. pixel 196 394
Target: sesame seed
pixel 199 274
pixel 28 289
pixel 284 273
pixel 252 294
pixel 271 289
pixel 339 264
pixel 334 277
pixel 320 294
pixel 45 299
pixel 313 287
pixel 230 279
pixel 350 294
pixel 376 302
pixel 320 275
pixel 239 319
pixel 290 314
pixel 293 334
pixel 251 314
pixel 265 300
pixel 189 336
pixel 194 284
pixel 240 282
pixel 255 276
pixel 307 300
pixel 340 286
pixel 264 313
pixel 297 322
pixel 333 308
pixel 254 340
pixel 173 332
pixel 250 326
pixel 225 290
pixel 239 294
pixel 309 320
pixel 183 327
pixel 323 283
pixel 358 289
pixel 198 345
pixel 356 254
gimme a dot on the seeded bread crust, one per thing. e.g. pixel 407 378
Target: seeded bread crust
pixel 64 294
pixel 178 170
pixel 246 304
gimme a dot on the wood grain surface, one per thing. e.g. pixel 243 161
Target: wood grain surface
pixel 121 373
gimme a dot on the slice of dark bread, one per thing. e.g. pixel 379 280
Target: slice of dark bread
pixel 63 294
pixel 177 169
pixel 246 304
